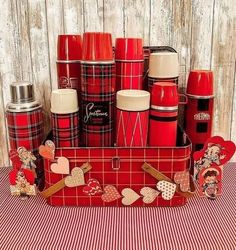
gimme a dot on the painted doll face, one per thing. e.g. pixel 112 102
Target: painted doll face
pixel 213 151
pixel 210 179
pixel 20 177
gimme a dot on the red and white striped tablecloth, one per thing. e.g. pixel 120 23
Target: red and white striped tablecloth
pixel 201 224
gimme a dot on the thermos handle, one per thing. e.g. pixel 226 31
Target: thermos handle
pixel 183 99
pixel 149 49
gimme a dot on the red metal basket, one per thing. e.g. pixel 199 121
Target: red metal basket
pixel 120 167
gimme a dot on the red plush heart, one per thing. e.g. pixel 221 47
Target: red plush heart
pixel 14 157
pixel 93 187
pixel 217 150
pixel 29 175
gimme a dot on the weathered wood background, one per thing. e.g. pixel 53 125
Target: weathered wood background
pixel 202 31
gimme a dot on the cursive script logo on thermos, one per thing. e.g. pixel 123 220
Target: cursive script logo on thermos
pixel 94 112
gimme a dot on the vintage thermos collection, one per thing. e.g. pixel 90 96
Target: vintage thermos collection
pixel 102 100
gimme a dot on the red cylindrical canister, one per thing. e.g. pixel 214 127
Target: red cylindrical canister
pixel 97 90
pixel 65 118
pixel 163 67
pixel 132 118
pixel 69 55
pixel 24 118
pixel 129 60
pixel 25 123
pixel 199 110
pixel 163 114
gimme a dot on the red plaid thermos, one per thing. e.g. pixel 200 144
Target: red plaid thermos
pixel 163 114
pixel 24 117
pixel 65 117
pixel 163 67
pixel 199 111
pixel 129 59
pixel 25 122
pixel 97 90
pixel 132 118
pixel 69 52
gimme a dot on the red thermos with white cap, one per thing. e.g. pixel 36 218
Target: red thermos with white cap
pixel 163 67
pixel 163 114
pixel 199 110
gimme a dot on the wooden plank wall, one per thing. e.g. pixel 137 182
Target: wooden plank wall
pixel 202 31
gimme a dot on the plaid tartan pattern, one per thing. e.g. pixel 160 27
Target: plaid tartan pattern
pixel 65 129
pixel 129 75
pixel 98 104
pixel 25 129
pixel 168 160
pixel 152 80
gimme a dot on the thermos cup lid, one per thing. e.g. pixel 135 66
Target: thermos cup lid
pixel 163 65
pixel 69 48
pixel 129 49
pixel 97 46
pixel 64 101
pixel 200 84
pixel 164 96
pixel 133 100
pixel 22 92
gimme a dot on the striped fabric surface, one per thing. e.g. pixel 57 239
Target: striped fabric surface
pixel 201 224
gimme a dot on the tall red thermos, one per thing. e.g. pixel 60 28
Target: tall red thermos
pixel 69 55
pixel 163 67
pixel 97 90
pixel 199 110
pixel 163 114
pixel 129 59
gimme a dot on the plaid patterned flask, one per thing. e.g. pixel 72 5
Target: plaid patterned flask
pixel 65 117
pixel 98 103
pixel 129 59
pixel 25 122
pixel 24 117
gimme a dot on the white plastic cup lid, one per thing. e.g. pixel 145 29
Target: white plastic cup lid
pixel 163 65
pixel 133 100
pixel 64 101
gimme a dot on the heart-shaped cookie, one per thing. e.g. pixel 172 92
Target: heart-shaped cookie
pixel 183 179
pixel 76 178
pixel 93 187
pixel 167 189
pixel 61 167
pixel 149 194
pixel 110 194
pixel 130 196
pixel 47 151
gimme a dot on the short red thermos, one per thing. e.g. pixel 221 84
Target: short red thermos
pixel 132 118
pixel 163 114
pixel 199 111
pixel 163 67
pixel 65 117
pixel 69 54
